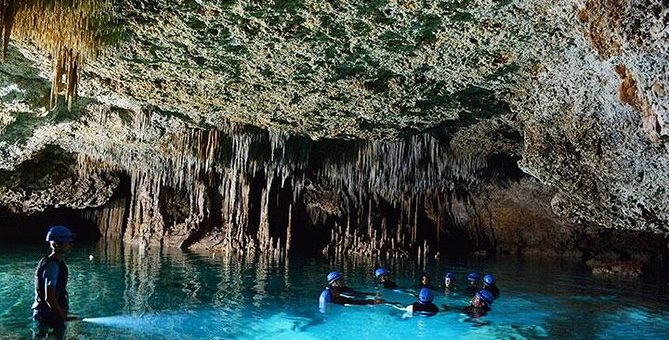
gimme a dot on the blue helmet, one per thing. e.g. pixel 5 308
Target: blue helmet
pixel 486 296
pixel 333 276
pixel 59 233
pixel 489 280
pixel 425 296
pixel 473 277
pixel 449 275
pixel 381 272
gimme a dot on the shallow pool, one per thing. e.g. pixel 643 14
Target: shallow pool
pixel 129 294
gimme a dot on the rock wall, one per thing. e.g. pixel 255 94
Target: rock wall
pixel 572 93
pixel 594 118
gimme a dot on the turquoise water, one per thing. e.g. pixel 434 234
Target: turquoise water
pixel 129 294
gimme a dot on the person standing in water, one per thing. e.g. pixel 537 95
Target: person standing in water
pixel 425 282
pixel 51 299
pixel 489 285
pixel 474 283
pixel 480 304
pixel 336 292
pixel 449 283
pixel 424 305
pixel 382 276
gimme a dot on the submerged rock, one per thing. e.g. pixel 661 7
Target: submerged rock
pixel 629 268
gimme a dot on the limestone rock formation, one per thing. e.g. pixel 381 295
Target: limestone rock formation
pixel 386 124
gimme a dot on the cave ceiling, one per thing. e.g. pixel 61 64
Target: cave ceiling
pixel 326 69
pixel 578 89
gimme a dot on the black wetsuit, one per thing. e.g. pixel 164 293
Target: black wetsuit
pixel 448 290
pixel 349 292
pixel 426 309
pixel 42 312
pixel 388 284
pixel 476 312
pixel 472 290
pixel 345 295
pixel 493 289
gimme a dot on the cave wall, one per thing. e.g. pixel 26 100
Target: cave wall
pixel 573 93
pixel 595 118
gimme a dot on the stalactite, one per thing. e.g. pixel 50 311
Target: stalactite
pixel 406 176
pixel 7 14
pixel 109 219
pixel 289 228
pixel 70 30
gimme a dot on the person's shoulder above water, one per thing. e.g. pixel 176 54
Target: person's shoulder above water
pixel 389 284
pixel 490 284
pixel 424 305
pixel 382 276
pixel 50 273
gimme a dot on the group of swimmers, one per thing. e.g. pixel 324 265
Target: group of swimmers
pixel 483 292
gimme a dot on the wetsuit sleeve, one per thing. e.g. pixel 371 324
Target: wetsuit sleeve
pixel 348 301
pixel 51 274
pixel 352 292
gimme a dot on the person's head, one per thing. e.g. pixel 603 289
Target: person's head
pixel 425 296
pixel 482 298
pixel 425 280
pixel 381 274
pixel 488 280
pixel 449 279
pixel 60 239
pixel 335 279
pixel 473 279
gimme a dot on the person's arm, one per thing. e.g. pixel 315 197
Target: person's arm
pixel 348 292
pixel 51 297
pixel 348 301
pixel 52 301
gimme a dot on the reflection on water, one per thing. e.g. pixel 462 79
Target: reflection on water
pixel 128 293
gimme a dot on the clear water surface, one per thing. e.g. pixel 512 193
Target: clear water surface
pixel 130 294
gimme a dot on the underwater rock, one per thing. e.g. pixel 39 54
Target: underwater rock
pixel 629 268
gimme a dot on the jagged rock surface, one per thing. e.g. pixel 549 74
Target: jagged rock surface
pixel 574 91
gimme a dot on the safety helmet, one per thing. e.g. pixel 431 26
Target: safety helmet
pixel 333 276
pixel 486 296
pixel 489 280
pixel 449 275
pixel 473 277
pixel 381 272
pixel 59 233
pixel 425 296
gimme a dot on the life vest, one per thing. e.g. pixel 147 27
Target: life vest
pixel 326 297
pixel 61 285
